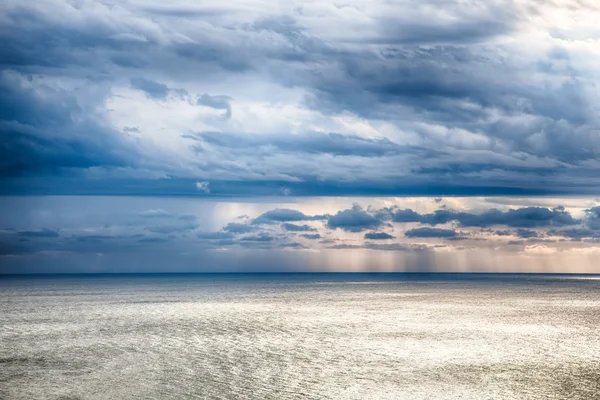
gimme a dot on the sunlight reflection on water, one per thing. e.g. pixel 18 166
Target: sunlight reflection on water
pixel 293 337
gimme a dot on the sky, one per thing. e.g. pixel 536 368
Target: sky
pixel 299 135
pixel 96 234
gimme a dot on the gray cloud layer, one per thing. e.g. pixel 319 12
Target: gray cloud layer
pixel 467 100
pixel 526 217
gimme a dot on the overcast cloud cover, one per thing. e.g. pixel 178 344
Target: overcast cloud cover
pixel 252 98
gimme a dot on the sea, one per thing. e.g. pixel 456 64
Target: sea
pixel 300 336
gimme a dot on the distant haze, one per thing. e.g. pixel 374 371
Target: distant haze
pixel 158 234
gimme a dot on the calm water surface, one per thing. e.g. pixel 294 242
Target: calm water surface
pixel 300 337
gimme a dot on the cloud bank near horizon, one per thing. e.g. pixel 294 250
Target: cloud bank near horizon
pixel 141 234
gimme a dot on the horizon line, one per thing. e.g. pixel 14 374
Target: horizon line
pixel 258 273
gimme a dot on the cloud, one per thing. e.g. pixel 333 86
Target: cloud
pixel 40 129
pixel 378 236
pixel 153 89
pixel 293 245
pixel 217 102
pixel 258 238
pixel 431 233
pixel 593 218
pixel 235 227
pixel 312 236
pixel 308 142
pixel 284 215
pixel 354 220
pixel 491 100
pixel 297 228
pixel 129 230
pixel 43 233
pixel 575 233
pixel 203 187
pixel 526 233
pixel 526 217
pixel 594 212
pixel 406 216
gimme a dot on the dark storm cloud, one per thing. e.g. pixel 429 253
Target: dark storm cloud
pixel 41 133
pixel 424 32
pixel 532 223
pixel 406 216
pixel 285 215
pixel 236 227
pixel 433 81
pixel 378 236
pixel 258 238
pixel 526 233
pixel 470 104
pixel 312 236
pixel 357 219
pixel 430 233
pixel 297 228
pixel 44 233
pixel 576 233
pixel 593 218
pixel 467 24
pixel 526 217
pixel 354 220
pixel 43 42
pixel 594 212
